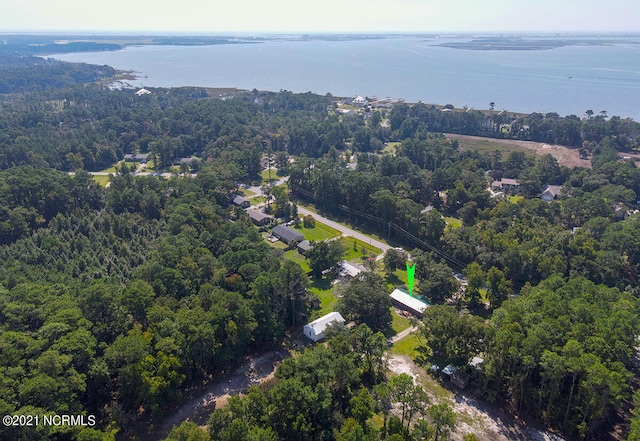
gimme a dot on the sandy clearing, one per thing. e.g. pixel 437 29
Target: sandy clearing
pixel 487 422
pixel 565 155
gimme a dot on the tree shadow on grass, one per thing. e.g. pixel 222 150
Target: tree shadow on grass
pixel 393 280
pixel 320 283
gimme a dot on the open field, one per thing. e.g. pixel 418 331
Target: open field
pixel 257 200
pixel 565 155
pixel 407 346
pixel 326 293
pixel 299 258
pixel 319 232
pixel 247 192
pixel 102 180
pixel 453 222
pixel 353 254
pixel 399 323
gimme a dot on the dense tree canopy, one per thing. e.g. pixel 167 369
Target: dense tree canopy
pixel 114 300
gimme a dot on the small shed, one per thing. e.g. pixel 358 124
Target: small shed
pixel 315 329
pixel 304 246
pixel 286 234
pixel 404 301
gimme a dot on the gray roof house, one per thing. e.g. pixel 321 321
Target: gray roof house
pixel 140 157
pixel 258 217
pixel 304 246
pixel 550 193
pixel 241 202
pixel 180 161
pixel 286 234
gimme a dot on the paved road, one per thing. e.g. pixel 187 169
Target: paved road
pixel 345 230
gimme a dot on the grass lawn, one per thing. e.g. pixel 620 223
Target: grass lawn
pixel 399 323
pixel 487 145
pixel 353 254
pixel 326 293
pixel 112 169
pixel 265 175
pixel 453 222
pixel 297 257
pixel 102 180
pixel 407 346
pixel 319 232
pixel 257 200
pixel 278 244
pixel 247 192
pixel 390 148
pixel 515 199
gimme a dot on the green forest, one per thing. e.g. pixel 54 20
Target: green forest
pixel 117 300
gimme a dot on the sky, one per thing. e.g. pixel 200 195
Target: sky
pixel 319 16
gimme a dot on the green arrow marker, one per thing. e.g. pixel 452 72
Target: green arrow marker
pixel 411 274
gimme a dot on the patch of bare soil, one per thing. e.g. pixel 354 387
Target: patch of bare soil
pixel 203 401
pixel 487 422
pixel 565 155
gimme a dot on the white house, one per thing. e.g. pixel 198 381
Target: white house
pixel 143 91
pixel 404 301
pixel 359 101
pixel 350 269
pixel 315 329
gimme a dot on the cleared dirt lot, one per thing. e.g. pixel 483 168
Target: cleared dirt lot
pixel 487 422
pixel 565 155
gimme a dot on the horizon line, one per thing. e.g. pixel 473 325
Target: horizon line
pixel 133 32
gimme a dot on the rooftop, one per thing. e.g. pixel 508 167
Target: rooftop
pixel 319 325
pixel 286 233
pixel 257 215
pixel 408 301
pixel 350 269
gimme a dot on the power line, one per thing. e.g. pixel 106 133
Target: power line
pixel 404 233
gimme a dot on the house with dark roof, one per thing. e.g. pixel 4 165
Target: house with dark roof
pixel 286 234
pixel 241 202
pixel 258 217
pixel 506 185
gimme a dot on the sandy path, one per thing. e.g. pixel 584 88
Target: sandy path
pixel 204 401
pixel 487 422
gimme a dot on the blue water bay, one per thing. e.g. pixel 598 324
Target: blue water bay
pixel 566 80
